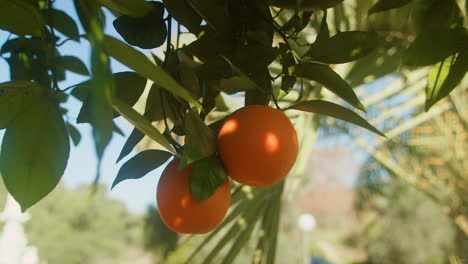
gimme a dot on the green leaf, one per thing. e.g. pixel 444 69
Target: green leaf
pixel 141 164
pixel 435 45
pixel 133 8
pixel 428 15
pixel 336 111
pixel 324 33
pixel 214 13
pixel 181 11
pixel 102 84
pixel 128 87
pixel 384 5
pixel 135 137
pixel 73 64
pixel 16 45
pixel 141 123
pixel 330 79
pixel 377 64
pixel 444 77
pixel 237 84
pixel 146 32
pixel 200 141
pixel 333 51
pixel 207 175
pixel 15 98
pixel 141 64
pixel 34 153
pixel 74 134
pixel 306 4
pixel 62 22
pixel 21 18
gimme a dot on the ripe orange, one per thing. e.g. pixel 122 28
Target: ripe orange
pixel 180 211
pixel 258 145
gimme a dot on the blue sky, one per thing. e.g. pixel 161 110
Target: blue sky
pixel 81 169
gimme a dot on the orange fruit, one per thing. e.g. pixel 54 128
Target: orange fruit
pixel 306 5
pixel 182 212
pixel 258 145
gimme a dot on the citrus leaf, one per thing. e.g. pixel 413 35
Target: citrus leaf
pixel 377 64
pixel 331 80
pixel 21 18
pixel 444 77
pixel 73 64
pixel 135 137
pixel 15 98
pixel 181 11
pixel 336 111
pixel 200 141
pixel 437 14
pixel 332 51
pixel 74 134
pixel 207 175
pixel 102 84
pixel 141 123
pixel 16 45
pixel 146 32
pixel 128 87
pixel 62 22
pixel 435 45
pixel 306 4
pixel 133 8
pixel 141 164
pixel 213 12
pixel 141 64
pixel 384 5
pixel 34 153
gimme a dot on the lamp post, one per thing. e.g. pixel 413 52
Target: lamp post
pixel 13 242
pixel 306 223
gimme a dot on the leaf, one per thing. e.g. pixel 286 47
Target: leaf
pixel 384 5
pixel 16 45
pixel 324 33
pixel 141 164
pixel 207 175
pixel 214 13
pixel 334 51
pixel 133 8
pixel 141 123
pixel 428 15
pixel 181 11
pixel 74 134
pixel 336 111
pixel 15 98
pixel 330 79
pixel 146 32
pixel 73 64
pixel 135 137
pixel 102 84
pixel 128 87
pixel 34 153
pixel 21 18
pixel 141 64
pixel 435 45
pixel 306 5
pixel 237 84
pixel 200 141
pixel 62 22
pixel 444 77
pixel 377 64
